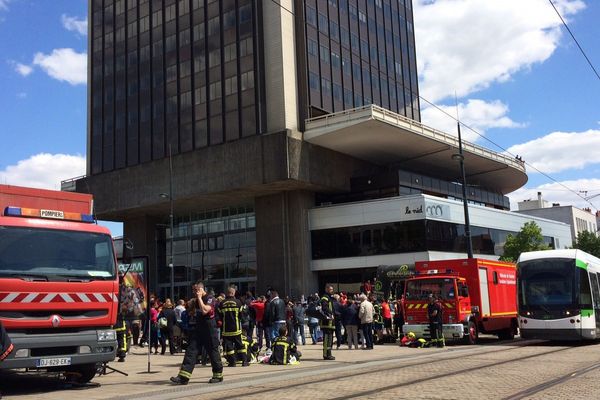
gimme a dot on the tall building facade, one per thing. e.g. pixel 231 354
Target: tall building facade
pixel 256 112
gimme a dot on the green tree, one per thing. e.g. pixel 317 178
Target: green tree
pixel 529 238
pixel 588 242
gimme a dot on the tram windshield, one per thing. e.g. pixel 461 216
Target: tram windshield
pixel 553 282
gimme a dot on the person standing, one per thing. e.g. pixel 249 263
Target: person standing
pixel 167 331
pixel 259 309
pixel 231 331
pixel 434 313
pixel 337 314
pixel 327 322
pixel 365 314
pixel 299 315
pixel 398 317
pixel 386 313
pixel 350 322
pixel 276 312
pixel 205 336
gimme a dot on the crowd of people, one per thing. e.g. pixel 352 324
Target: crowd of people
pixel 269 328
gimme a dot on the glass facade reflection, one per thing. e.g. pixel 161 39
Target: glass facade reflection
pixel 406 237
pixel 217 246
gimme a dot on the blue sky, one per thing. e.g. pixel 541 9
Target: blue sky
pixel 520 81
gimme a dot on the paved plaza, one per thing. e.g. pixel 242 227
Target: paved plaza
pixel 492 370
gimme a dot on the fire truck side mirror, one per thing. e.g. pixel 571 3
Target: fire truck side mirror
pixel 127 251
pixel 463 291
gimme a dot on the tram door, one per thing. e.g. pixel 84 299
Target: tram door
pixel 596 300
pixel 483 290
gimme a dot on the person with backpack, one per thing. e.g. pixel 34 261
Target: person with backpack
pixel 167 319
pixel 258 306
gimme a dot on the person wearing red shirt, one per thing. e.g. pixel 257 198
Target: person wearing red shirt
pixel 259 308
pixel 368 287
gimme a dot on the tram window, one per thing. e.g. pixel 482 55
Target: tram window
pixel 595 290
pixel 585 295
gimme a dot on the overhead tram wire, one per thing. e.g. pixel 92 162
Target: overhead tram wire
pixel 575 40
pixel 508 152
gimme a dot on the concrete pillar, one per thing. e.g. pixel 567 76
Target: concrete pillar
pixel 283 243
pixel 141 231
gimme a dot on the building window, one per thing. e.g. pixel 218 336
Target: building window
pixel 184 38
pixel 229 52
pixel 186 100
pixel 231 85
pixel 311 16
pixel 247 80
pixel 144 24
pixel 172 73
pixel 199 63
pixel 313 81
pixel 170 43
pixel 184 7
pixel 313 48
pixel 198 32
pixel 335 60
pixel 213 26
pixel 170 13
pixel 185 69
pixel 156 19
pixel 362 17
pixel 132 29
pixel 200 95
pixel 334 31
pixel 323 26
pixel 145 54
pixel 214 91
pixel 326 86
pixel 229 20
pixel 325 54
pixel 245 13
pixel 214 58
pixel 246 47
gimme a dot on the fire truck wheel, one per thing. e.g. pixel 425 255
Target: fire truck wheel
pixel 473 334
pixel 85 372
pixel 506 334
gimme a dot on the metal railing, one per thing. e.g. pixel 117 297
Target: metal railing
pixel 381 114
pixel 69 185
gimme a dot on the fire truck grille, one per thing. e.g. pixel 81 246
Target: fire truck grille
pixel 45 314
pixel 53 351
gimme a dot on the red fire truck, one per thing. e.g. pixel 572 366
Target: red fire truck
pixel 477 296
pixel 58 282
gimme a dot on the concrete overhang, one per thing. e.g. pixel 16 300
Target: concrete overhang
pixel 382 137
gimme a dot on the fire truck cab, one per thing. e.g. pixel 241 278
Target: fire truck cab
pixel 58 282
pixel 476 295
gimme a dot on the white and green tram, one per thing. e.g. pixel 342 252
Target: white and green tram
pixel 558 295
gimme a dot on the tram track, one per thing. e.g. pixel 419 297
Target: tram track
pixel 264 385
pixel 552 382
pixel 380 390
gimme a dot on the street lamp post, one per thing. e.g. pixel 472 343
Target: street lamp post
pixel 170 197
pixel 461 159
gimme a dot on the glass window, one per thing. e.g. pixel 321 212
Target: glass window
pixel 247 80
pixel 246 47
pixel 245 13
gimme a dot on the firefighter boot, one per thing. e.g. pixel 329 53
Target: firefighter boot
pixel 179 380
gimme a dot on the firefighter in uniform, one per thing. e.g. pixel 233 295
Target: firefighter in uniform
pixel 204 335
pixel 327 322
pixel 6 346
pixel 121 330
pixel 120 327
pixel 231 331
pixel 434 312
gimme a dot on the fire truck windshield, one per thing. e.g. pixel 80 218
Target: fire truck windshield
pixel 420 289
pixel 55 254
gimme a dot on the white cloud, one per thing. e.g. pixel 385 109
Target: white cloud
pixel 478 114
pixel 73 24
pixel 43 170
pixel 559 151
pixel 4 4
pixel 21 95
pixel 23 70
pixel 556 193
pixel 64 65
pixel 464 46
